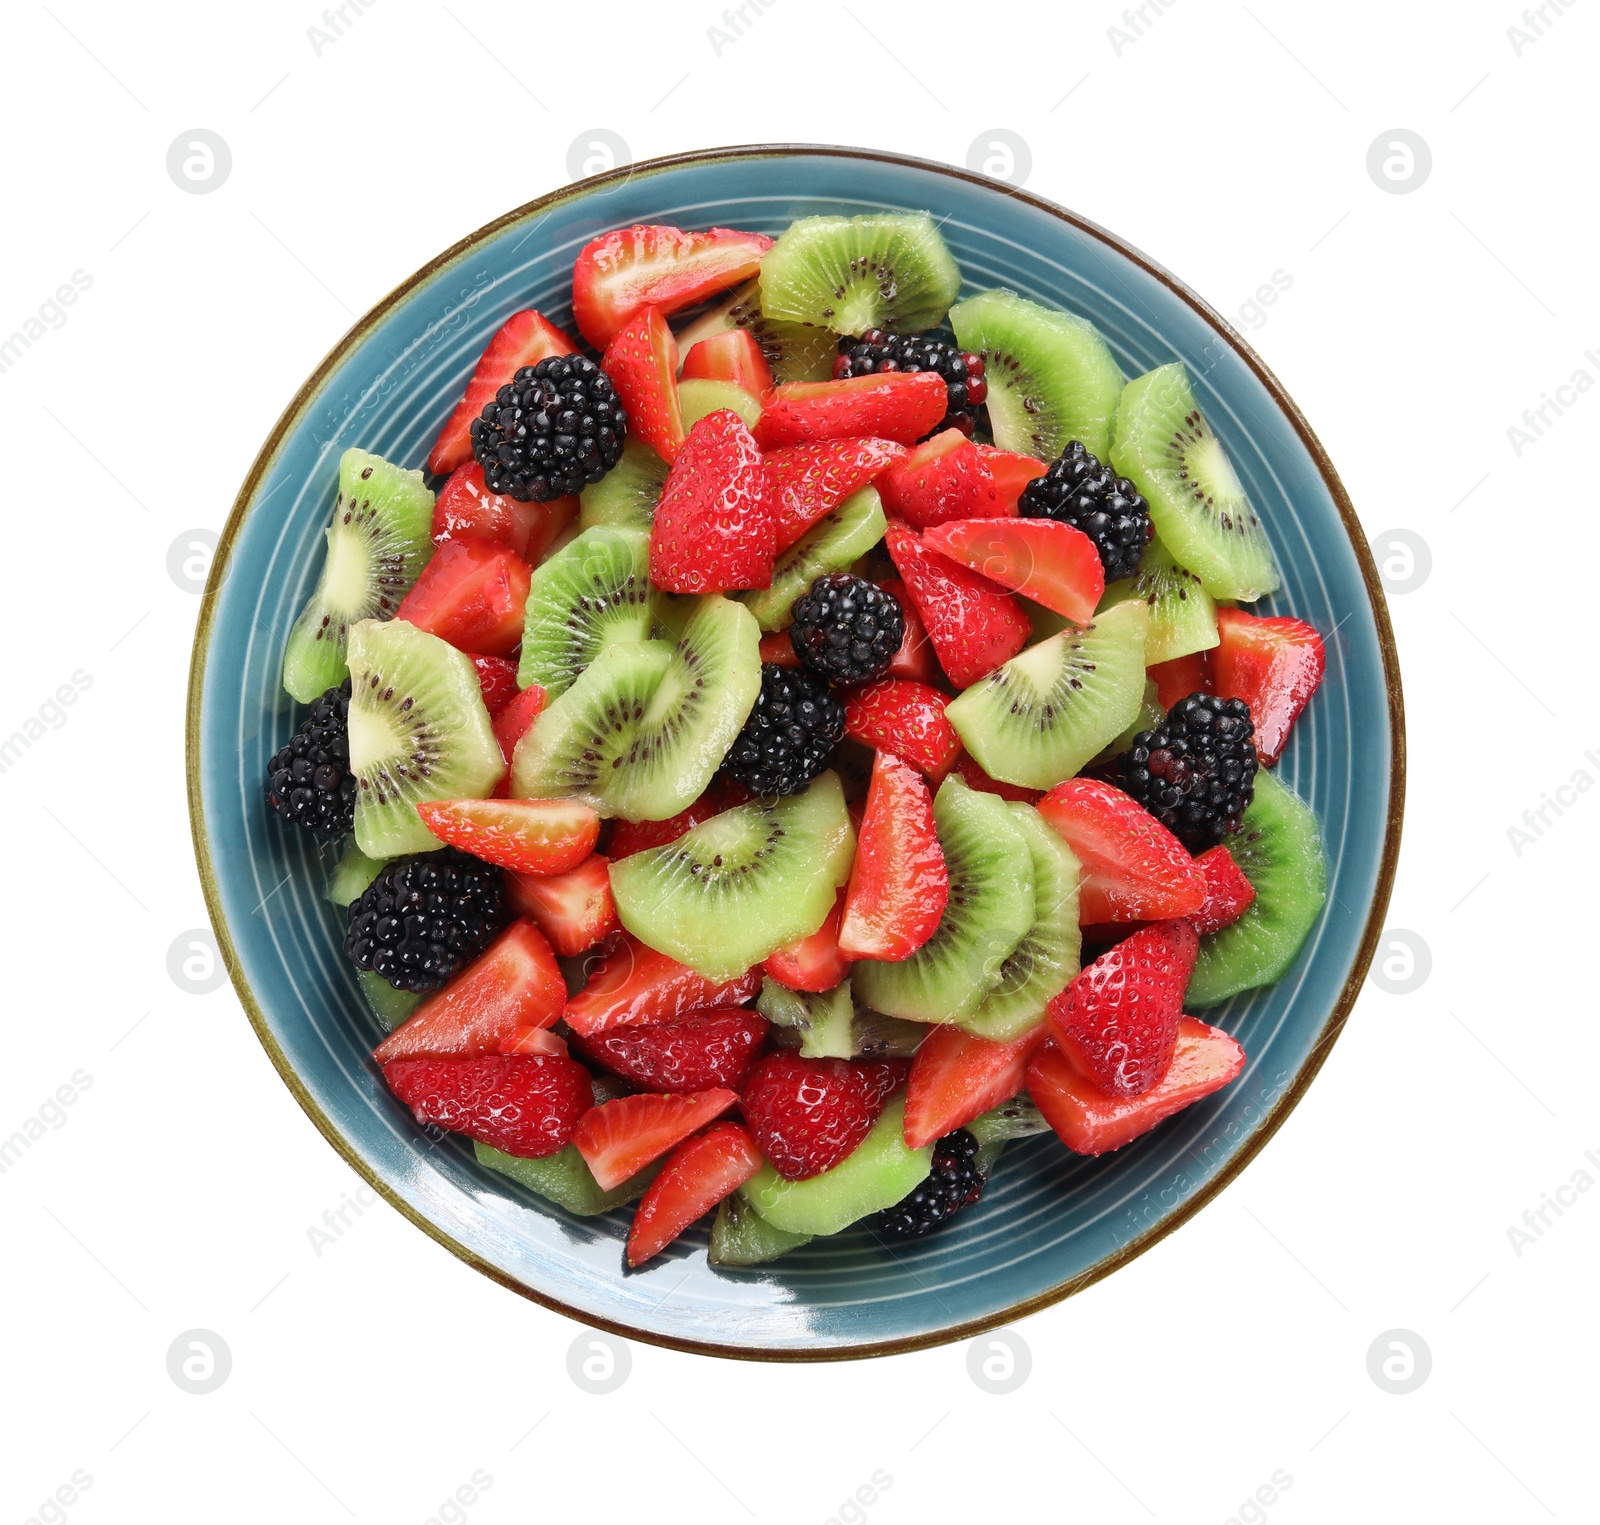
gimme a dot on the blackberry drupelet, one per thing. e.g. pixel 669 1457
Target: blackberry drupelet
pixel 878 350
pixel 425 917
pixel 553 429
pixel 1079 491
pixel 846 629
pixel 953 1183
pixel 794 725
pixel 309 781
pixel 1196 771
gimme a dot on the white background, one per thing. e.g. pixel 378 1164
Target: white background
pixel 373 1380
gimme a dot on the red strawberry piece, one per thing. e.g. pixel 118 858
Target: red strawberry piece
pixel 899 884
pixel 974 626
pixel 777 648
pixel 814 963
pixel 512 723
pixel 530 836
pixel 906 718
pixel 1090 1122
pixel 1053 564
pixel 808 1114
pixel 621 1137
pixel 713 530
pixel 466 510
pixel 702 1171
pixel 915 658
pixel 471 594
pixel 702 1051
pixel 974 777
pixel 534 1042
pixel 525 338
pixel 1011 473
pixel 642 362
pixel 1118 1020
pixel 515 984
pixel 956 1077
pixel 944 478
pixel 629 837
pixel 574 910
pixel 1179 678
pixel 529 1107
pixel 635 985
pixel 1133 868
pixel 732 356
pixel 900 406
pixel 621 272
pixel 805 482
pixel 1274 665
pixel 497 677
pixel 1228 893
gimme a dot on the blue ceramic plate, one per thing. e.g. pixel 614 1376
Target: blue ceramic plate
pixel 1051 1222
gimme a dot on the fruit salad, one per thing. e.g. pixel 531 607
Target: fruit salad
pixel 803 729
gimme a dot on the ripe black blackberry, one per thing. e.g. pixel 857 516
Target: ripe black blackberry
pixel 954 1182
pixel 1079 491
pixel 551 430
pixel 846 629
pixel 795 723
pixel 879 350
pixel 309 781
pixel 1196 771
pixel 425 917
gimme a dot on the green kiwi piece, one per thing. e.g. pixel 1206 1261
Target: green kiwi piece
pixel 794 351
pixel 699 396
pixel 565 1179
pixel 388 1004
pixel 418 731
pixel 989 912
pixel 627 494
pixel 594 592
pixel 830 545
pixel 849 274
pixel 1043 623
pixel 1279 848
pixel 351 875
pixel 1150 715
pixel 1039 718
pixel 829 1025
pixel 1164 445
pixel 737 887
pixel 740 1236
pixel 1042 965
pixel 1052 378
pixel 1183 616
pixel 1017 1118
pixel 378 541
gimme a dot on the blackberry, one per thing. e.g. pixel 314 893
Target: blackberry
pixel 1079 491
pixel 878 350
pixel 954 1182
pixel 846 629
pixel 1196 771
pixel 551 430
pixel 793 727
pixel 309 780
pixel 425 917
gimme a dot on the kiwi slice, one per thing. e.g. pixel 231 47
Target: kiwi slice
pixel 882 270
pixel 351 875
pixel 1151 714
pixel 740 1236
pixel 794 351
pixel 564 1178
pixel 989 912
pixel 1039 718
pixel 378 542
pixel 699 396
pixel 594 592
pixel 1042 965
pixel 1164 445
pixel 390 1005
pixel 1183 616
pixel 628 493
pixel 418 731
pixel 1279 848
pixel 829 1025
pixel 831 544
pixel 733 889
pixel 1052 378
pixel 1017 1118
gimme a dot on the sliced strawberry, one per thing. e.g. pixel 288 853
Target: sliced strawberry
pixel 906 718
pixel 1179 678
pixel 1011 473
pixel 1090 1122
pixel 805 482
pixel 629 837
pixel 521 1106
pixel 899 884
pixel 974 777
pixel 497 677
pixel 574 910
pixel 915 658
pixel 974 626
pixel 1133 868
pixel 634 984
pixel 732 355
pixel 702 1171
pixel 534 1042
pixel 512 723
pixel 1228 893
pixel 466 510
pixel 525 338
pixel 642 362
pixel 808 1114
pixel 530 836
pixel 713 530
pixel 621 1137
pixel 1274 665
pixel 704 1050
pixel 654 265
pixel 778 649
pixel 1053 564
pixel 900 406
pixel 814 963
pixel 944 478
pixel 471 594
pixel 956 1077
